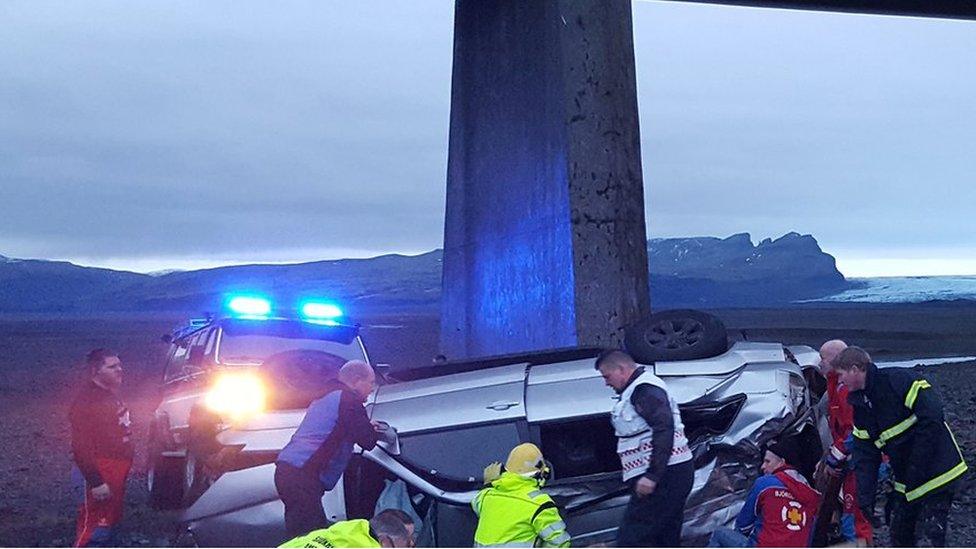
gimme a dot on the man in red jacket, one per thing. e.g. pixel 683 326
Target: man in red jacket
pixel 101 443
pixel 840 419
pixel 781 507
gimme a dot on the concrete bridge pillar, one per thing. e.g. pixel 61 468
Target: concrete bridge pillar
pixel 545 243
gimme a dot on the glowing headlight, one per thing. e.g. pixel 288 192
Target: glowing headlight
pixel 236 395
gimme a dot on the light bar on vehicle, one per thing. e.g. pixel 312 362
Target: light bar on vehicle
pixel 316 310
pixel 249 305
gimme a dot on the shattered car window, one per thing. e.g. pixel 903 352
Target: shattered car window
pixel 460 454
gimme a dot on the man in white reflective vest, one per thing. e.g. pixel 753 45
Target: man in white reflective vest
pixel 654 454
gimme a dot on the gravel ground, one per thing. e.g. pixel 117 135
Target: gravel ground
pixel 39 369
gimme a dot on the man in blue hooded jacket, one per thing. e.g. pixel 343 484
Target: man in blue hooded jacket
pixel 317 454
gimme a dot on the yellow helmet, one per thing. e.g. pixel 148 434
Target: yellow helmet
pixel 526 460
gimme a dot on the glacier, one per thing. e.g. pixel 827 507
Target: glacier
pixel 908 289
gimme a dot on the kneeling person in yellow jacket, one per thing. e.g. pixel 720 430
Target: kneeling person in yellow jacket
pixel 513 511
pixel 385 529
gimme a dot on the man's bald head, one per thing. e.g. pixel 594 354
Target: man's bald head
pixel 828 352
pixel 358 376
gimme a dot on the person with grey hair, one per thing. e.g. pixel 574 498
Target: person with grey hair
pixel 838 482
pixel 899 413
pixel 386 529
pixel 317 454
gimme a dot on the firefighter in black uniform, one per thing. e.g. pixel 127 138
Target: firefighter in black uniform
pixel 899 413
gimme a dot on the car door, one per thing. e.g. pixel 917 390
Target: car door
pixel 568 413
pixel 449 428
pixel 183 385
pixel 455 425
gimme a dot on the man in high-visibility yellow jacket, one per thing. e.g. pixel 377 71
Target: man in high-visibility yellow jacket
pixel 513 511
pixel 899 413
pixel 385 529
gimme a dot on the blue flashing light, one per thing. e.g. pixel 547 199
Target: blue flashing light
pixel 248 305
pixel 314 310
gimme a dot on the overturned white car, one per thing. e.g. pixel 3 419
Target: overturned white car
pixel 453 419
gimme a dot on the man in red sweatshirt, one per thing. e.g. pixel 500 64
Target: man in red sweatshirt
pixel 779 510
pixel 840 419
pixel 101 443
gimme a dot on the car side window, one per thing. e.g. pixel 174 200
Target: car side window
pixel 211 342
pixel 581 447
pixel 460 454
pixel 195 356
pixel 177 359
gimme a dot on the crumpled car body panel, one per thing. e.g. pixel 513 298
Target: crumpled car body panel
pixel 763 392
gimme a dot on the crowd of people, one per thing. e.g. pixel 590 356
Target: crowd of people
pixel 879 419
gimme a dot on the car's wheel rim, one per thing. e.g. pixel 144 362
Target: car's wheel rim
pixel 675 334
pixel 190 473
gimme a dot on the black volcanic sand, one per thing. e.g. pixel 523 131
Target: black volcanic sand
pixel 40 365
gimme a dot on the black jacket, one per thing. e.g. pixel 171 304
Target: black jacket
pixel 100 428
pixel 900 414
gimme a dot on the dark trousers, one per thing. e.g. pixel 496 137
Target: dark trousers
pixel 655 520
pixel 933 514
pixel 301 493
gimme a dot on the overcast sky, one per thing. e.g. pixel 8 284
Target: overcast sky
pixel 155 135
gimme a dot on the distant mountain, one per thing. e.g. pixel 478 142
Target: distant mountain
pixel 30 285
pixel 385 283
pixel 690 272
pixel 732 272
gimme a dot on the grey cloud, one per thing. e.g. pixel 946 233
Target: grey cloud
pixel 178 128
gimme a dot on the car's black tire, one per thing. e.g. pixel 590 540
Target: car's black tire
pixel 164 480
pixel 201 446
pixel 194 479
pixel 680 334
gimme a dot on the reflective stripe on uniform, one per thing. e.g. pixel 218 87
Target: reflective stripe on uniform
pixel 898 429
pixel 513 512
pixel 953 437
pixel 558 540
pixel 918 385
pixel 552 529
pixel 938 482
pixel 476 503
pixel 861 434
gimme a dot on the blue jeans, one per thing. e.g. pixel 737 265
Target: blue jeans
pixel 727 537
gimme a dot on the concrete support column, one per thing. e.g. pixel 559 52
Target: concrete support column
pixel 545 243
